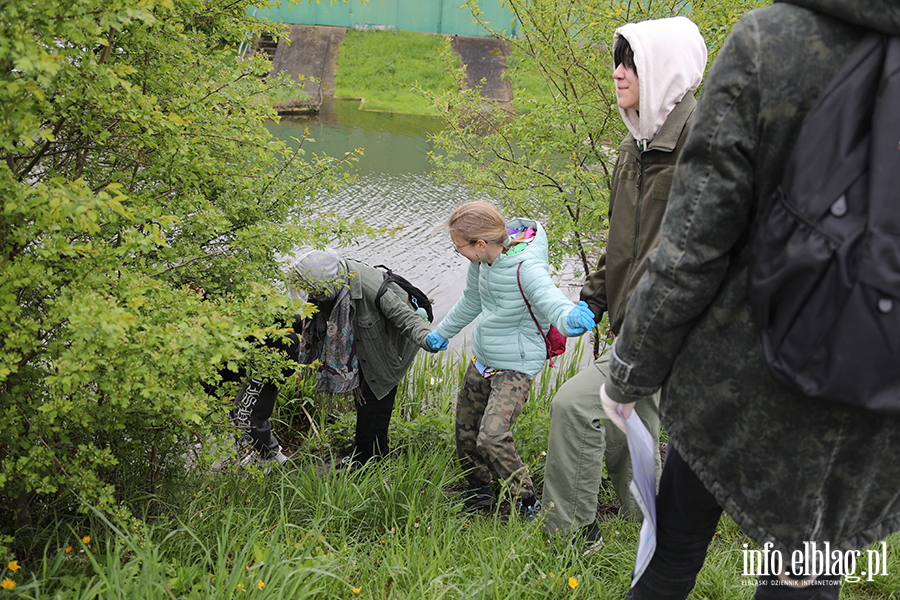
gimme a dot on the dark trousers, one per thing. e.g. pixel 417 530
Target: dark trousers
pixel 373 416
pixel 687 516
pixel 253 406
pixel 255 400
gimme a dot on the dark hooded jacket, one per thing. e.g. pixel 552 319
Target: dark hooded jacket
pixel 788 469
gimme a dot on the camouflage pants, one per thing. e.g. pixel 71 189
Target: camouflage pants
pixel 486 409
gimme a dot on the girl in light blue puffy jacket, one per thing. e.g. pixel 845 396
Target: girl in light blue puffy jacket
pixel 508 264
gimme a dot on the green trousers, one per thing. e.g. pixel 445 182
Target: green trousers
pixel 581 438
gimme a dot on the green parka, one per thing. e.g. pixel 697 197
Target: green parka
pixel 788 469
pixel 387 340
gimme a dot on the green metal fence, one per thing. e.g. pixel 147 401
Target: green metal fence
pixel 428 16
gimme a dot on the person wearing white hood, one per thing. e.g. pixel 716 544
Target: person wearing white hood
pixel 658 65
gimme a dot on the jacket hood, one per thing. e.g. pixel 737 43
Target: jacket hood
pixel 880 15
pixel 539 247
pixel 669 57
pixel 320 272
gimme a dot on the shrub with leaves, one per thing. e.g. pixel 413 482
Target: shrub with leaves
pixel 550 154
pixel 143 211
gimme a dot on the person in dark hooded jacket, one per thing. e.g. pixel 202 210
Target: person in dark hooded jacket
pixel 790 470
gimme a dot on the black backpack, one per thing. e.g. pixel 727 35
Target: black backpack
pixel 417 297
pixel 825 258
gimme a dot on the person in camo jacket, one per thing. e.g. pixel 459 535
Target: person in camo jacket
pixel 508 350
pixel 790 470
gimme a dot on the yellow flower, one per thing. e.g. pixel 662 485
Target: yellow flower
pixel 13 566
pixel 86 539
pixel 8 584
pixel 357 590
pixel 260 585
pixel 240 587
pixel 68 549
pixel 573 583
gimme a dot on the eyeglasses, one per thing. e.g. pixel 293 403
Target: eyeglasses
pixel 456 248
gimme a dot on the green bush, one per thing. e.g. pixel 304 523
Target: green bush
pixel 144 208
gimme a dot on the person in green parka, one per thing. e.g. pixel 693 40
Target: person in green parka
pixel 658 65
pixel 790 470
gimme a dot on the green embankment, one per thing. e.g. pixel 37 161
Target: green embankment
pixel 383 67
pixel 389 530
pixel 386 67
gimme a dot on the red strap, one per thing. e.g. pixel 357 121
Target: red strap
pixel 546 341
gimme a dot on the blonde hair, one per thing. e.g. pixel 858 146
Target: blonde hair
pixel 475 221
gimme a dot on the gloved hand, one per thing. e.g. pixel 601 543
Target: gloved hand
pixel 611 408
pixel 580 319
pixel 435 342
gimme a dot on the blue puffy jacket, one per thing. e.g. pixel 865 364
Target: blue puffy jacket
pixel 505 336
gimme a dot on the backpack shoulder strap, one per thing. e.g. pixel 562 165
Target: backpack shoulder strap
pixel 417 297
pixel 834 136
pixel 383 287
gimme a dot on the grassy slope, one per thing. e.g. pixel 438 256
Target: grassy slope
pixel 386 531
pixel 383 67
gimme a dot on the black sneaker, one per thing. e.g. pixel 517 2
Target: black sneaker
pixel 590 536
pixel 590 533
pixel 474 497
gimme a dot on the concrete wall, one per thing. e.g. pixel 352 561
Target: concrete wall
pixel 427 16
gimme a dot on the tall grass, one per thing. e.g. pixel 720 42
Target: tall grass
pixel 427 393
pixel 388 530
pixel 565 366
pixel 385 531
pixel 434 379
pixel 431 384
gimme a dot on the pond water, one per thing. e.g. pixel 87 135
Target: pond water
pixel 394 188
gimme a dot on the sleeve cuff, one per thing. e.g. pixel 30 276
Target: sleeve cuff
pixel 619 396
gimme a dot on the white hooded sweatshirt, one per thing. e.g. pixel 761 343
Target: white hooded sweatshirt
pixel 669 58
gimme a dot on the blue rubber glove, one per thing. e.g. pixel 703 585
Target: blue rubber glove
pixel 435 342
pixel 580 319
